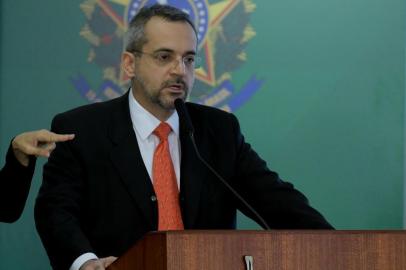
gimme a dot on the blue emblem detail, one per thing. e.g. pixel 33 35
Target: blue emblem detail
pixel 226 97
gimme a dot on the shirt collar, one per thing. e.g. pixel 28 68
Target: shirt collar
pixel 145 123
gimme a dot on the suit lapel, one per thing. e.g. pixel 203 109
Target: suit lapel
pixel 127 158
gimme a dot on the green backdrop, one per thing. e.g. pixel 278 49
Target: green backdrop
pixel 329 116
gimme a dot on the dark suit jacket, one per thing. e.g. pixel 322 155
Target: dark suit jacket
pixel 15 182
pixel 96 194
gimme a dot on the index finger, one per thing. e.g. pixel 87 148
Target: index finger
pixel 48 136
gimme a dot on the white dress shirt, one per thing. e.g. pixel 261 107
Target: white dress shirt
pixel 144 123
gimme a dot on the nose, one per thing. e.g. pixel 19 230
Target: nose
pixel 179 66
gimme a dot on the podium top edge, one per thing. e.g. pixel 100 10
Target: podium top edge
pixel 280 232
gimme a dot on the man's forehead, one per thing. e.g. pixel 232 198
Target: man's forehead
pixel 158 24
pixel 170 34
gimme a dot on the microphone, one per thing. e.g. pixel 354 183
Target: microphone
pixel 184 115
pixel 185 118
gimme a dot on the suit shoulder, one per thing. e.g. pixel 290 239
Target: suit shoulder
pixel 213 120
pixel 91 110
pixel 92 117
pixel 210 112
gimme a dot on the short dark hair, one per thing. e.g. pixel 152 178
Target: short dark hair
pixel 135 36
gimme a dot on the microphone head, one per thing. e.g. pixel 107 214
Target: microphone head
pixel 178 103
pixel 184 115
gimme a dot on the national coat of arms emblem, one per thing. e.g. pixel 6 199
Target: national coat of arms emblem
pixel 223 34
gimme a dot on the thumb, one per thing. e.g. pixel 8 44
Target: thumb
pixel 108 260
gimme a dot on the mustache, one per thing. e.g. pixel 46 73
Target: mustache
pixel 175 81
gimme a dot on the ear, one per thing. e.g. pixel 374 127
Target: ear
pixel 128 64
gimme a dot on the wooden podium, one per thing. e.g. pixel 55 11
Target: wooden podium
pixel 261 250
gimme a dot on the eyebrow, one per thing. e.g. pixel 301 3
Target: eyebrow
pixel 172 51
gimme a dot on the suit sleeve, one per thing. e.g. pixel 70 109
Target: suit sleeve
pixel 277 201
pixel 58 205
pixel 15 182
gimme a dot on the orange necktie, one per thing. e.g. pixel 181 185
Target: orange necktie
pixel 165 186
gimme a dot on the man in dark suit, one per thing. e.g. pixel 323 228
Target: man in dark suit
pixel 99 193
pixel 16 175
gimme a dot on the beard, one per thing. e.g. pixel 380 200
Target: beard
pixel 157 96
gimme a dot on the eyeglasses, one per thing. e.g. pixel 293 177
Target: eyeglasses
pixel 166 58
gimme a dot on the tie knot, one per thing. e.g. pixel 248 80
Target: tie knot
pixel 162 131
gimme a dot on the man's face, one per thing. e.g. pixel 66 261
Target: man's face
pixel 164 69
